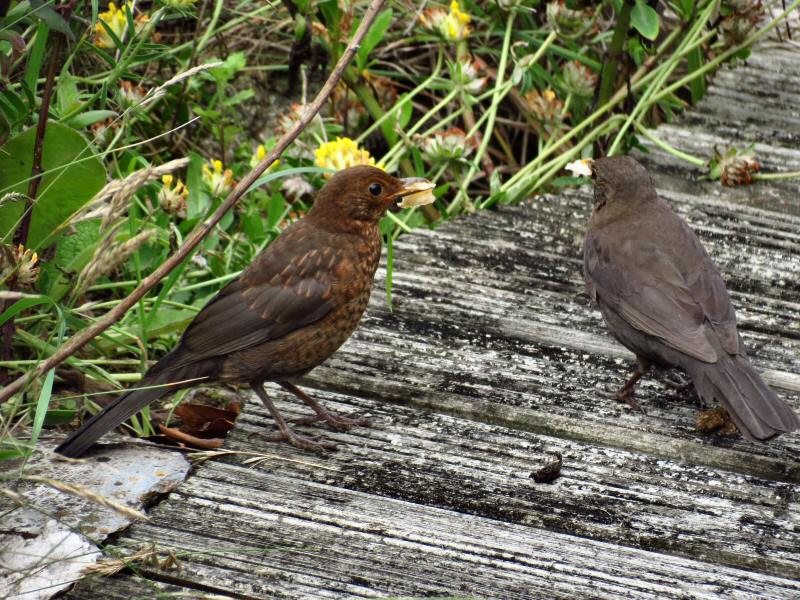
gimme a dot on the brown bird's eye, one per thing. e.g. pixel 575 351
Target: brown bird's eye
pixel 375 189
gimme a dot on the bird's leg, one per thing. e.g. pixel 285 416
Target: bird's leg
pixel 337 422
pixel 284 432
pixel 625 394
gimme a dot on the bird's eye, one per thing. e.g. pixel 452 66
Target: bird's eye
pixel 375 189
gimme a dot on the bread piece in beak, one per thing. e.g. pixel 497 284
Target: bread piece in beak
pixel 416 191
pixel 580 168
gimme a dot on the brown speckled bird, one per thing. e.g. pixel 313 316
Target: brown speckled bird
pixel 285 314
pixel 663 298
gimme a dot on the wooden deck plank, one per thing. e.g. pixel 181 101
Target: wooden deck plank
pixel 327 541
pixel 630 498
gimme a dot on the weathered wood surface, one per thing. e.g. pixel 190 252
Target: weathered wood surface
pixel 492 359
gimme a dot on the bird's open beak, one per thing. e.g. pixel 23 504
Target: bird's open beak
pixel 580 168
pixel 416 191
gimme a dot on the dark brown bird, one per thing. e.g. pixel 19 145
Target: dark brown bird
pixel 285 314
pixel 663 298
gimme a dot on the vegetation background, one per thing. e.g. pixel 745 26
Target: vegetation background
pixel 123 127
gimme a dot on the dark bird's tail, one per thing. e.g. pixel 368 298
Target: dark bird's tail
pixel 113 415
pixel 757 411
pixel 128 404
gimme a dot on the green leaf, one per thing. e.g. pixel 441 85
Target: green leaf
pixel 59 416
pixel 694 62
pixel 636 51
pixel 77 246
pixel 276 210
pixel 41 405
pixel 197 199
pixel 21 305
pixel 72 176
pixel 373 37
pixel 239 97
pixel 743 54
pixel 14 107
pixel 406 109
pixel 166 321
pixel 49 15
pixel 67 95
pixel 5 129
pixel 683 8
pixel 644 19
pixel 36 57
pixel 74 249
pixel 90 117
pixel 11 453
pixel 234 63
pixel 253 225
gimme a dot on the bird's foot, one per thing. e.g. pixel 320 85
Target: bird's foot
pixel 299 441
pixel 715 420
pixel 625 393
pixel 337 422
pixel 334 421
pixel 679 383
pixel 626 396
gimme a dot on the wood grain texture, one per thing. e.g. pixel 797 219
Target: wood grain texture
pixel 287 537
pixel 492 360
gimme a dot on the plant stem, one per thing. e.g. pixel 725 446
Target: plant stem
pixel 608 77
pixel 713 64
pixel 212 24
pixel 773 176
pixel 372 105
pixel 499 94
pixel 698 162
pixel 407 98
pixel 641 78
pixel 21 236
pixel 645 102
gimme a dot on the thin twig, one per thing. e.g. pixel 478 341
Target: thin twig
pixel 84 336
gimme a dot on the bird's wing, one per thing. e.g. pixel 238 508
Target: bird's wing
pixel 709 290
pixel 282 291
pixel 641 282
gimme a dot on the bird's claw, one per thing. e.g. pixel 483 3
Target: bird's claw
pixel 299 441
pixel 626 395
pixel 679 383
pixel 334 421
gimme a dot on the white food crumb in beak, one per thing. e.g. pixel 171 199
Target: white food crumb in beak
pixel 580 168
pixel 422 195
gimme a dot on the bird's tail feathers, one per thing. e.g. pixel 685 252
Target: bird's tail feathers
pixel 124 407
pixel 755 409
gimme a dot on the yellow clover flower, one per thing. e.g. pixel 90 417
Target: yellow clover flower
pixel 259 155
pixel 117 21
pixel 173 199
pixel 341 154
pixel 453 26
pixel 219 181
pixel 18 263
